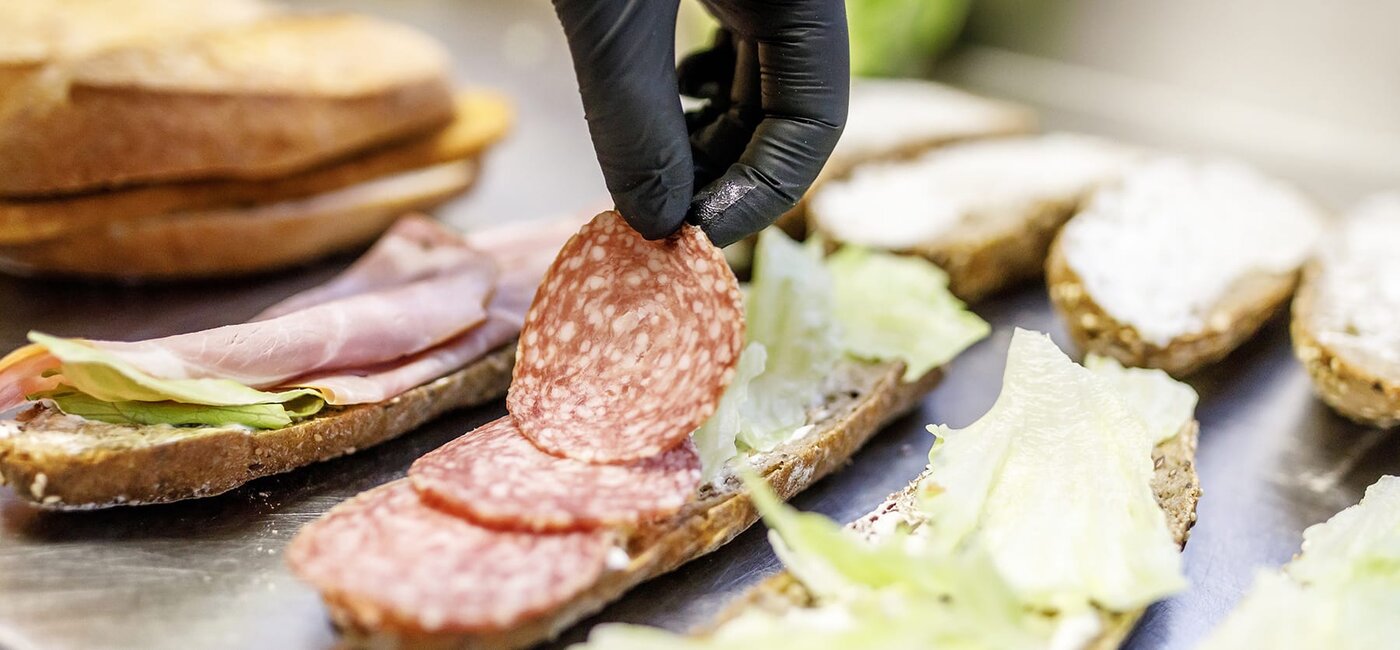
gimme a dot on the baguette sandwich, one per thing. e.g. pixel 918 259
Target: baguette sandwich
pixel 1346 314
pixel 1052 522
pixel 1339 592
pixel 1180 263
pixel 248 138
pixel 370 355
pixel 409 565
pixel 985 211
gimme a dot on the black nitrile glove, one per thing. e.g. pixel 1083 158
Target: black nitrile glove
pixel 778 81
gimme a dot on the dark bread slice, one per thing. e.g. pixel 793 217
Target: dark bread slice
pixel 1349 385
pixel 1174 481
pixel 861 400
pixel 62 462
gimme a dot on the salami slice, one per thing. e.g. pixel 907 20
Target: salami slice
pixel 496 477
pixel 397 563
pixel 628 345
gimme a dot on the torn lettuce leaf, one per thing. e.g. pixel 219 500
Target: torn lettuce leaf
pixel 715 439
pixel 789 311
pixel 1164 404
pixel 1054 485
pixel 106 377
pixel 1341 593
pixel 256 416
pixel 897 307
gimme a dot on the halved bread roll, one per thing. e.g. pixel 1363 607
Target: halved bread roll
pixel 1180 263
pixel 985 211
pixel 1346 318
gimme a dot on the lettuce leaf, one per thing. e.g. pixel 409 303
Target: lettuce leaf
pixel 1361 542
pixel 257 416
pixel 715 438
pixel 104 376
pixel 897 307
pixel 1054 485
pixel 1163 404
pixel 789 312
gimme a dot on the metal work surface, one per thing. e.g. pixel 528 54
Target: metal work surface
pixel 209 573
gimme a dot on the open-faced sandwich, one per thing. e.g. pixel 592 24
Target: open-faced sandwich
pixel 1346 318
pixel 154 139
pixel 643 383
pixel 1051 522
pixel 1181 262
pixel 985 211
pixel 422 324
pixel 1340 592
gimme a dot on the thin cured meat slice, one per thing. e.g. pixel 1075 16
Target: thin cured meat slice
pixel 392 559
pixel 628 345
pixel 497 478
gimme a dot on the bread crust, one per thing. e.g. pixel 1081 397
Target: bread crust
pixel 1247 305
pixel 481 118
pixel 874 397
pixel 1174 482
pixel 134 115
pixel 57 463
pixel 1345 385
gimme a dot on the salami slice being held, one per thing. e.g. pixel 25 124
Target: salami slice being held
pixel 497 478
pixel 628 345
pixel 387 557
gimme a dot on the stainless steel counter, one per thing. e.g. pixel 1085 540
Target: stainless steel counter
pixel 209 573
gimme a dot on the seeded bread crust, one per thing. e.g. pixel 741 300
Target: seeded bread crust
pixel 60 462
pixel 870 397
pixel 1247 305
pixel 1345 385
pixel 1174 481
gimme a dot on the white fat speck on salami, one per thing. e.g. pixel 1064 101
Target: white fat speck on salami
pixel 628 345
pixel 397 563
pixel 497 478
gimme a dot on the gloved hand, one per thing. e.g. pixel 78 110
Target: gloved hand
pixel 777 81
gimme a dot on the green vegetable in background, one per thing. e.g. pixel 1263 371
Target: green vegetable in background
pixel 892 38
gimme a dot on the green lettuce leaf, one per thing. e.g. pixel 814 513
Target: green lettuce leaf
pixel 257 416
pixel 1361 542
pixel 715 438
pixel 1054 485
pixel 897 307
pixel 901 37
pixel 789 312
pixel 104 376
pixel 1163 404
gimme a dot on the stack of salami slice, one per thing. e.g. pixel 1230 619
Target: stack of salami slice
pixel 625 351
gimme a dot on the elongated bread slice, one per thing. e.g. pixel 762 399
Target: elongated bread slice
pixel 65 462
pixel 252 101
pixel 862 399
pixel 890 119
pixel 234 241
pixel 1180 263
pixel 1346 317
pixel 481 118
pixel 984 211
pixel 1174 482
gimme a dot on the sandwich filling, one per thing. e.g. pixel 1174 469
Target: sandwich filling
pixel 1160 251
pixel 1028 526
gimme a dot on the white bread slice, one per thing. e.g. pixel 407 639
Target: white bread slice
pixel 1180 263
pixel 236 241
pixel 862 398
pixel 985 211
pixel 251 101
pixel 481 119
pixel 1346 317
pixel 34 33
pixel 64 462
pixel 1174 481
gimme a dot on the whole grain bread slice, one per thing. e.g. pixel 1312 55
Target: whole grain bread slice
pixel 480 119
pixel 1360 388
pixel 252 101
pixel 1174 481
pixel 860 399
pixel 64 462
pixel 1249 303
